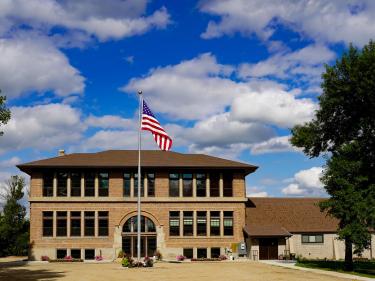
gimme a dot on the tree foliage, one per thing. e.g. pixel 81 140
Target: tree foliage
pixel 4 112
pixel 14 227
pixel 344 131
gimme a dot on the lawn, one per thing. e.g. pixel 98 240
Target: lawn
pixel 361 268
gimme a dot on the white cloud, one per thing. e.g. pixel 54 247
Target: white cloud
pixel 41 127
pixel 327 21
pixel 11 162
pixel 36 65
pixel 272 145
pixel 111 122
pixel 306 182
pixel 114 19
pixel 254 191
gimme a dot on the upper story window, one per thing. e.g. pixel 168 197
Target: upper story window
pixel 136 185
pixel 174 223
pixel 126 185
pixel 89 184
pixel 228 223
pixel 103 184
pixel 48 184
pixel 75 184
pixel 62 184
pixel 228 184
pixel 214 185
pixel 187 183
pixel 150 184
pixel 201 185
pixel 174 188
pixel 48 223
pixel 312 238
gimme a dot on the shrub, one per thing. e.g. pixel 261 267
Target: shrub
pixel 68 258
pixel 158 255
pixel 180 257
pixel 127 261
pixel 138 264
pixel 44 258
pixel 223 257
pixel 121 254
pixel 98 258
pixel 148 262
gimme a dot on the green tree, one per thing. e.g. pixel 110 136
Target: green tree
pixel 14 228
pixel 343 130
pixel 4 112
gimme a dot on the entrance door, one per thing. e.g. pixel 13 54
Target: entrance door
pixel 268 249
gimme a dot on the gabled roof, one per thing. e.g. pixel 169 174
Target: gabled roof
pixel 294 215
pixel 129 159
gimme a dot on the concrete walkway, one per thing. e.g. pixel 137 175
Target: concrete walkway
pixel 319 271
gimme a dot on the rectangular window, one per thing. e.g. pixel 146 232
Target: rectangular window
pixel 103 223
pixel 188 253
pixel 174 188
pixel 75 184
pixel 75 253
pixel 228 185
pixel 228 223
pixel 187 183
pixel 150 184
pixel 174 223
pixel 201 223
pixel 215 223
pixel 89 184
pixel 136 185
pixel 312 238
pixel 47 224
pixel 48 184
pixel 90 223
pixel 201 185
pixel 103 184
pixel 202 253
pixel 61 224
pixel 188 223
pixel 215 253
pixel 61 253
pixel 214 185
pixel 126 186
pixel 75 223
pixel 62 184
pixel 89 254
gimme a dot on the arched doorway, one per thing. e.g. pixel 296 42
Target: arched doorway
pixel 148 236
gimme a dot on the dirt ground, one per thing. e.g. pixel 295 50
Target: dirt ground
pixel 216 271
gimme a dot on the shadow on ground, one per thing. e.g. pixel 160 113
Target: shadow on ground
pixel 17 273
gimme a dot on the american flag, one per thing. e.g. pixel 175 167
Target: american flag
pixel 150 123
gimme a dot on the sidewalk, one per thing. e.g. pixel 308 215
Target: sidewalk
pixel 319 271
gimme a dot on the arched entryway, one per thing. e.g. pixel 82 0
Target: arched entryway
pixel 148 236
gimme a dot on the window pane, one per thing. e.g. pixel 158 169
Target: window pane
pixel 89 184
pixel 75 253
pixel 174 190
pixel 62 181
pixel 319 238
pixel 188 223
pixel 227 184
pixel 305 239
pixel 48 184
pixel 201 185
pixel 174 223
pixel 228 223
pixel 202 253
pixel 136 185
pixel 60 253
pixel 201 223
pixel 48 223
pixel 215 252
pixel 126 187
pixel 151 184
pixel 214 185
pixel 75 224
pixel 61 224
pixel 188 253
pixel 89 223
pixel 75 184
pixel 187 181
pixel 103 223
pixel 103 184
pixel 89 254
pixel 215 223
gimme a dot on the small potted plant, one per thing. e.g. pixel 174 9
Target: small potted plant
pixel 180 258
pixel 68 258
pixel 44 258
pixel 98 258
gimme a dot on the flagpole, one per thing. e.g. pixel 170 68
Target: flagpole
pixel 139 178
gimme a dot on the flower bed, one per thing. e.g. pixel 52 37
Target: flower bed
pixel 206 259
pixel 129 262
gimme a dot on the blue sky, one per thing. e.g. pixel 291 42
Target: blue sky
pixel 227 78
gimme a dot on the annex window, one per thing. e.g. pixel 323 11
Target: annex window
pixel 90 223
pixel 188 253
pixel 202 253
pixel 312 238
pixel 75 184
pixel 136 185
pixel 61 224
pixel 89 254
pixel 174 223
pixel 61 253
pixel 215 223
pixel 188 223
pixel 75 253
pixel 103 223
pixel 215 253
pixel 201 185
pixel 214 185
pixel 103 184
pixel 187 183
pixel 174 189
pixel 150 184
pixel 201 223
pixel 62 184
pixel 75 223
pixel 48 184
pixel 89 184
pixel 126 185
pixel 47 223
pixel 228 184
pixel 228 223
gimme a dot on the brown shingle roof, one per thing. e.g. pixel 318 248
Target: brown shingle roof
pixel 129 158
pixel 295 215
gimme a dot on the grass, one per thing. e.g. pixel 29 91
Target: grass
pixel 361 268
